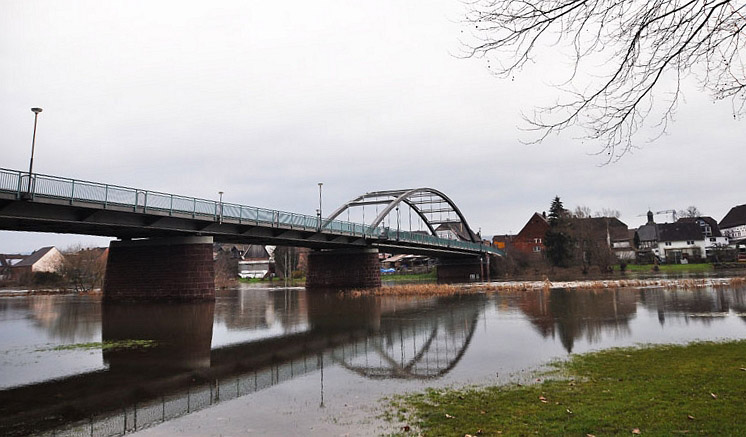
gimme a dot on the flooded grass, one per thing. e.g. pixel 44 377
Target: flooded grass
pixel 106 345
pixel 695 389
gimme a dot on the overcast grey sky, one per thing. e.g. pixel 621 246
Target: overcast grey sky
pixel 263 100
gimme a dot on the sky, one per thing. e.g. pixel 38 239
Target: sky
pixel 263 100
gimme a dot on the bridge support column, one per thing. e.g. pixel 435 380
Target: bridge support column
pixel 462 269
pixel 343 269
pixel 160 269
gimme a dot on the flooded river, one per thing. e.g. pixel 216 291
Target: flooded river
pixel 278 361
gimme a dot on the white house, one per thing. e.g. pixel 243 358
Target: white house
pixel 733 225
pixel 680 241
pixel 714 239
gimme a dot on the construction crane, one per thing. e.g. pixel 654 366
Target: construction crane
pixel 668 211
pixel 665 211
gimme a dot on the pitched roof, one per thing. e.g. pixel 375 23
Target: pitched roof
pixel 714 228
pixel 735 217
pixel 34 257
pixel 679 231
pixel 648 232
pixel 599 225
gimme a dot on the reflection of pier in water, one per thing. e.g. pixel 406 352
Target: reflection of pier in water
pixel 142 387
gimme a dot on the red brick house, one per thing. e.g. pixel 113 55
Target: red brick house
pixel 530 239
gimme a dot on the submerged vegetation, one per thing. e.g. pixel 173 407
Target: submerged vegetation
pixel 696 389
pixel 106 345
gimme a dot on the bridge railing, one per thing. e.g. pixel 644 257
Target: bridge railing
pixel 110 196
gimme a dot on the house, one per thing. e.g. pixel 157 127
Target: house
pixel 680 241
pixel 714 239
pixel 453 231
pixel 502 242
pixel 46 259
pixel 257 261
pixel 733 225
pixel 408 263
pixel 7 261
pixel 602 232
pixel 530 239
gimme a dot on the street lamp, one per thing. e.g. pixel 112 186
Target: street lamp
pixel 36 112
pixel 319 210
pixel 220 193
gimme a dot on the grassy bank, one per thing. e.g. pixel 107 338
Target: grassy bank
pixel 698 389
pixel 670 268
pixel 402 277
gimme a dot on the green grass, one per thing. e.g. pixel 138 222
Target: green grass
pixel 698 389
pixel 106 345
pixel 398 277
pixel 670 268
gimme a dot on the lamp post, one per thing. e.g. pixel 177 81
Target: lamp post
pixel 319 210
pixel 36 112
pixel 220 217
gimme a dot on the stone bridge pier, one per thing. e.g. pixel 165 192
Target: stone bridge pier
pixel 160 269
pixel 343 269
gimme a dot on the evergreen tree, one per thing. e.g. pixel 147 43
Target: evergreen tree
pixel 557 240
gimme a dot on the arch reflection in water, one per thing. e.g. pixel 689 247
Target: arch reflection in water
pixel 374 337
pixel 416 348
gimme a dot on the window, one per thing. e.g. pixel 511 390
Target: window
pixel 537 240
pixel 713 239
pixel 690 242
pixel 668 243
pixel 537 248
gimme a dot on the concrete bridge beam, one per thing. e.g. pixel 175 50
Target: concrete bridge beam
pixel 343 269
pixel 160 269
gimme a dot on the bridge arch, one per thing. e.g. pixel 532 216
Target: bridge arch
pixel 425 202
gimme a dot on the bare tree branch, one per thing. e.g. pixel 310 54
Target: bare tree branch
pixel 636 45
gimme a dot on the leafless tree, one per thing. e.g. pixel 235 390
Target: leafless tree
pixel 608 212
pixel 83 267
pixel 691 211
pixel 620 52
pixel 581 211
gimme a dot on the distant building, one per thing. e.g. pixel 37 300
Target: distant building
pixel 733 225
pixel 257 261
pixel 604 232
pixel 502 242
pixel 679 242
pixel 713 237
pixel 7 261
pixel 46 259
pixel 453 231
pixel 530 239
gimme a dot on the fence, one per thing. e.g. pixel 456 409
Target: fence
pixel 39 186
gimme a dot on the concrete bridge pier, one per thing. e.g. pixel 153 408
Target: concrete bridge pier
pixel 463 269
pixel 160 269
pixel 343 269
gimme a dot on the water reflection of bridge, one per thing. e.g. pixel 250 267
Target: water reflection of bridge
pixel 375 338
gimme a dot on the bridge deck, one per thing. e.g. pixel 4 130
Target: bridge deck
pixel 46 203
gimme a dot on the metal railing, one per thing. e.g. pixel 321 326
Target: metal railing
pixel 106 196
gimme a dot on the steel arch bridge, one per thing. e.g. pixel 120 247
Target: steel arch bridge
pixel 429 204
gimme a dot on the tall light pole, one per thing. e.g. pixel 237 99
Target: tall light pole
pixel 220 193
pixel 36 112
pixel 320 184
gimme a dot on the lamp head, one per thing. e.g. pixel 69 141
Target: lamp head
pixel 36 110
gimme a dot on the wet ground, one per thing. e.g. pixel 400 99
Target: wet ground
pixel 285 362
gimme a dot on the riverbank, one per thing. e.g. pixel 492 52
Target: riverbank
pixel 651 390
